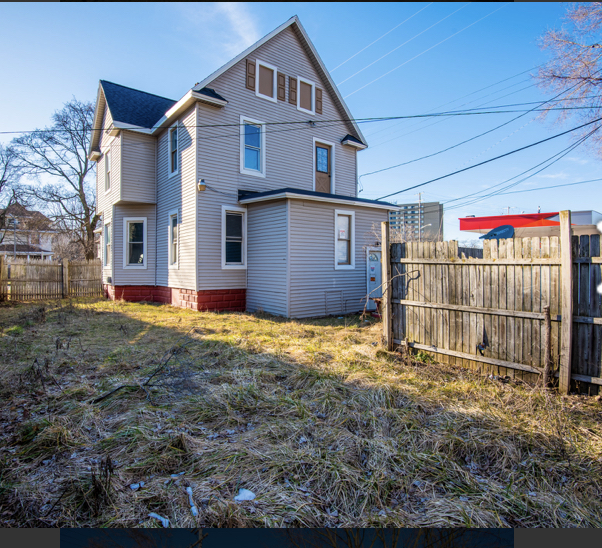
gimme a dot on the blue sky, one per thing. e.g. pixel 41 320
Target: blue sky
pixel 427 57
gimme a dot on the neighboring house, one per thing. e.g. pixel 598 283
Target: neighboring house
pixel 242 194
pixel 25 233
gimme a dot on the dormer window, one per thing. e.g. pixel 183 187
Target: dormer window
pixel 173 150
pixel 265 82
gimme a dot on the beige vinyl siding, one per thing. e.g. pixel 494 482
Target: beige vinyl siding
pixel 289 154
pixel 267 258
pixel 138 169
pixel 137 276
pixel 104 199
pixel 316 288
pixel 178 192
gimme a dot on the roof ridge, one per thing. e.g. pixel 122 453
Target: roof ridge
pixel 138 90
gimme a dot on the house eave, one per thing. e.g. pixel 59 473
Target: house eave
pixel 349 143
pixel 295 196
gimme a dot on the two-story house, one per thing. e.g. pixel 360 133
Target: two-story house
pixel 25 233
pixel 242 194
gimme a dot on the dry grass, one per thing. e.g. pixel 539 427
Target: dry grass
pixel 314 417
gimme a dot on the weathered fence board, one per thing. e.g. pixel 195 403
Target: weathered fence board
pixel 24 280
pixel 488 313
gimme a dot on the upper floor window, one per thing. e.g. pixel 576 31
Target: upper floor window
pixel 134 253
pixel 173 150
pixel 265 81
pixel 252 147
pixel 108 171
pixel 306 96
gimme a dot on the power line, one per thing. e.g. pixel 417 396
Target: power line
pixel 401 45
pixel 548 187
pixel 425 51
pixel 492 159
pixel 381 37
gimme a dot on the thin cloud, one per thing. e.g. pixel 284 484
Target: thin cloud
pixel 220 30
pixel 242 25
pixel 579 161
pixel 560 175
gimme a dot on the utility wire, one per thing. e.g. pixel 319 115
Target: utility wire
pixel 493 159
pixel 425 51
pixel 385 34
pixel 401 45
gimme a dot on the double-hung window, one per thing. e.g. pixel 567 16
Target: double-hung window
pixel 173 239
pixel 108 171
pixel 234 245
pixel 173 150
pixel 252 147
pixel 344 240
pixel 135 244
pixel 107 261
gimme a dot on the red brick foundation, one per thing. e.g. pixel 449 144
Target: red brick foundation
pixel 216 299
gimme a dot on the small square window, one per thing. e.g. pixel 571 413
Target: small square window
pixel 306 97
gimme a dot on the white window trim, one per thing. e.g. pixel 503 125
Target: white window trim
pixel 234 209
pixel 173 213
pixel 352 239
pixel 317 141
pixel 110 153
pixel 275 82
pixel 243 170
pixel 142 266
pixel 171 173
pixel 107 264
pixel 313 95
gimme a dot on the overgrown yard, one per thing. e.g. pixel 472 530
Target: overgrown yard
pixel 313 416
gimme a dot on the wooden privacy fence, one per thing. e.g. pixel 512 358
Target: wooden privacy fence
pixel 24 280
pixel 488 314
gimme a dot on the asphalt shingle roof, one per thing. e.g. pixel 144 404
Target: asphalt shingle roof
pixel 135 107
pixel 248 194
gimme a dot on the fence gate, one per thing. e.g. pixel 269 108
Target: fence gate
pixel 488 314
pixel 23 280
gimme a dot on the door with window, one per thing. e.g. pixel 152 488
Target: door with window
pixel 323 167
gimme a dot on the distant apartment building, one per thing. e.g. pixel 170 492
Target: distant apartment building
pixel 419 221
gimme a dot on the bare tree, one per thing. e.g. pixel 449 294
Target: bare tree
pixel 57 158
pixel 9 177
pixel 575 69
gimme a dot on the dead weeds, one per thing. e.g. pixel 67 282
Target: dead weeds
pixel 110 411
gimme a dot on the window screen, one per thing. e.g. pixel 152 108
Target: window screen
pixel 173 231
pixel 253 147
pixel 234 238
pixel 266 81
pixel 174 149
pixel 107 244
pixel 305 96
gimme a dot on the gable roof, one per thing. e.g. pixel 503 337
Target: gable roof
pixel 132 106
pixel 295 24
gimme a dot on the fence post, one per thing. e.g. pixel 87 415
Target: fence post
pixel 386 280
pixel 566 296
pixel 65 278
pixel 547 347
